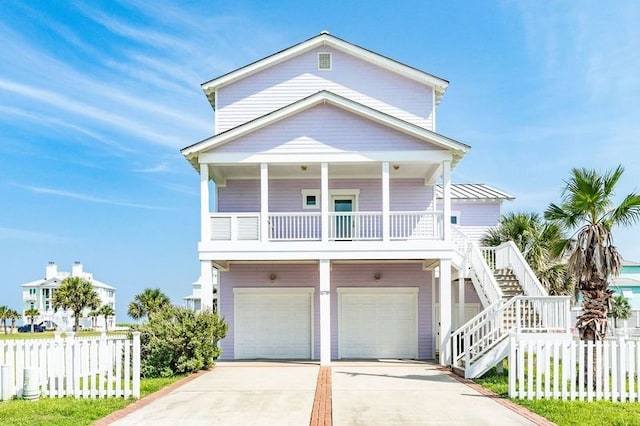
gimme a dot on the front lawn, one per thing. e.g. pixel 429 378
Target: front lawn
pixel 568 412
pixel 71 411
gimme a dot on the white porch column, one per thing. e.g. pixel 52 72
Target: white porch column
pixel 325 312
pixel 446 199
pixel 445 311
pixel 324 200
pixel 205 220
pixel 386 220
pixel 461 302
pixel 206 285
pixel 264 202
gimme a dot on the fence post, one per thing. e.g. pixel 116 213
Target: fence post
pixel 136 364
pixel 622 366
pixel 513 366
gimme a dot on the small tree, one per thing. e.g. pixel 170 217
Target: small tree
pixel 150 301
pixel 106 311
pixel 14 316
pixel 177 340
pixel 93 315
pixel 4 316
pixel 76 294
pixel 620 308
pixel 31 313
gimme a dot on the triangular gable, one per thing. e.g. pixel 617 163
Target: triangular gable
pixel 325 39
pixel 458 148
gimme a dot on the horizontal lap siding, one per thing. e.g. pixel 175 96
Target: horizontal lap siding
pixel 324 128
pixel 289 275
pixel 478 214
pixel 299 77
pixel 392 275
pixel 285 195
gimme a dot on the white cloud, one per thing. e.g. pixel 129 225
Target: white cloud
pixel 18 234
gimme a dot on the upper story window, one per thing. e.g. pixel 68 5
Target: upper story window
pixel 32 291
pixel 455 218
pixel 324 61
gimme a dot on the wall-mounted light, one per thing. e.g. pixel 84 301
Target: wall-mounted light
pixel 396 167
pixel 273 277
pixel 303 168
pixel 377 276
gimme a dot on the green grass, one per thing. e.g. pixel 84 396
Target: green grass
pixel 71 411
pixel 568 412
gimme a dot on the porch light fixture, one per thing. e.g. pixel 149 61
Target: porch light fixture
pixel 377 276
pixel 396 167
pixel 273 277
pixel 303 168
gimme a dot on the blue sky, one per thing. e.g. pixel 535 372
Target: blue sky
pixel 97 98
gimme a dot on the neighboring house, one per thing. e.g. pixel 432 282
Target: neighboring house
pixel 39 294
pixel 332 231
pixel 194 300
pixel 628 283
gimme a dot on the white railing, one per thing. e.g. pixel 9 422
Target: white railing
pixel 235 226
pixel 80 367
pixel 294 226
pixel 560 367
pixel 355 226
pixel 521 314
pixel 508 256
pixel 416 225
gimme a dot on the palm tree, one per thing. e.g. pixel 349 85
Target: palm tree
pixel 14 316
pixel 620 308
pixel 76 294
pixel 106 311
pixel 93 315
pixel 147 303
pixel 4 316
pixel 536 240
pixel 587 210
pixel 31 313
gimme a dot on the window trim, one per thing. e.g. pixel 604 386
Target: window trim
pixel 310 192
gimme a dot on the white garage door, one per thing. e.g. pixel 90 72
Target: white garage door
pixel 273 323
pixel 378 323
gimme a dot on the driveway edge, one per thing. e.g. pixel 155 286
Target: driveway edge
pixel 529 415
pixel 117 415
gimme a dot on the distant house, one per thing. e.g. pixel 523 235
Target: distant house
pixel 39 293
pixel 628 283
pixel 337 232
pixel 194 300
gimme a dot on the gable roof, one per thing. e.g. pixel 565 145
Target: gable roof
pixel 325 97
pixel 325 39
pixel 474 191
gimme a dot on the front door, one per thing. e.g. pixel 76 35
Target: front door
pixel 343 206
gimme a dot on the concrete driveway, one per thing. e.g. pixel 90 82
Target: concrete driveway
pixel 363 393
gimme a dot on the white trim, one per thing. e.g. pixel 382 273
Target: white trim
pixel 311 192
pixel 377 290
pixel 330 61
pixel 283 290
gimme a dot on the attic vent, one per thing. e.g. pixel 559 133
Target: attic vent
pixel 324 61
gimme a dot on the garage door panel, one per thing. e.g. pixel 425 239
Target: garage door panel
pixel 273 325
pixel 381 323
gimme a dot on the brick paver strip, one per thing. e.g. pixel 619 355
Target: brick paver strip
pixel 117 415
pixel 321 411
pixel 535 418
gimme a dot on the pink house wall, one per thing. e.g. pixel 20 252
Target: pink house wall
pixel 307 131
pixel 299 77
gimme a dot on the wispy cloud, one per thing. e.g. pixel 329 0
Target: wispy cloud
pixel 89 198
pixel 158 168
pixel 18 234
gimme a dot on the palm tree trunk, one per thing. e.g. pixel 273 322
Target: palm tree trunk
pixel 592 324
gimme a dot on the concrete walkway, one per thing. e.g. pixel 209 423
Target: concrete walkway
pixel 363 393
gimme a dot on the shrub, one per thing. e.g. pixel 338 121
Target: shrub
pixel 177 341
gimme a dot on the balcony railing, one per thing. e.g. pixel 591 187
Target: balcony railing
pixel 341 226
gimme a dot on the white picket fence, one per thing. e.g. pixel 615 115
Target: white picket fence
pixel 87 367
pixel 562 367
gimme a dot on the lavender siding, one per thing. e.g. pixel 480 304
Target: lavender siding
pixel 299 77
pixel 477 214
pixel 325 128
pixel 289 275
pixel 393 275
pixel 285 195
pixel 470 294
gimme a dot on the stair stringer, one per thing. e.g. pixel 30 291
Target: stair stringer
pixel 488 360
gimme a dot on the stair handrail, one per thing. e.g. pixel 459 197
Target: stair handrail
pixel 509 256
pixel 458 335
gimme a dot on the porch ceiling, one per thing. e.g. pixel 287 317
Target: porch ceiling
pixel 400 170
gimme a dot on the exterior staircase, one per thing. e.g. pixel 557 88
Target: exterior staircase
pixel 514 302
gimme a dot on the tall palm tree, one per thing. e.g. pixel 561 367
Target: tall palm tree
pixel 536 239
pixel 4 316
pixel 75 294
pixel 147 303
pixel 14 316
pixel 31 313
pixel 587 210
pixel 106 311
